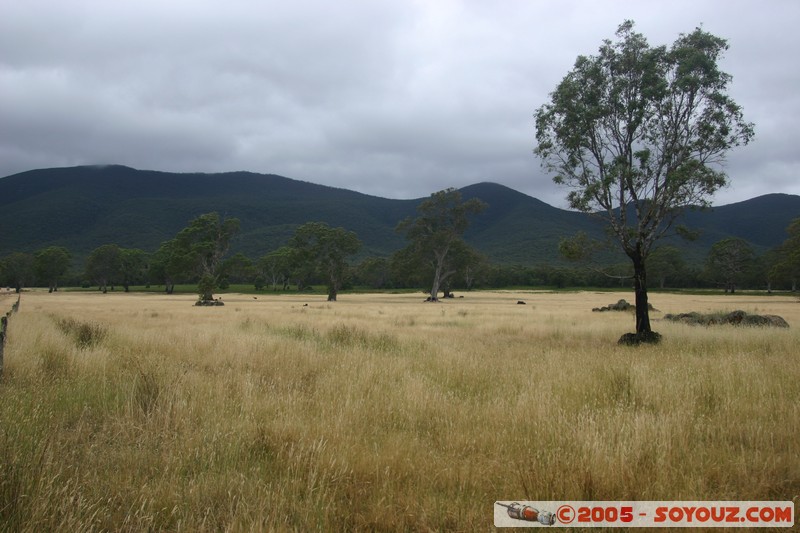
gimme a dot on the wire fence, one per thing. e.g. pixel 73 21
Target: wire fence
pixel 4 320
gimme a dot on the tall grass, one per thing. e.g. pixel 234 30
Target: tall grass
pixel 381 412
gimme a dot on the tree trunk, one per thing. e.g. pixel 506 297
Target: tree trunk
pixel 640 289
pixel 437 280
pixel 435 288
pixel 644 334
pixel 446 293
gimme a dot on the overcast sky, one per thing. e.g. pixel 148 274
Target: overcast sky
pixel 395 98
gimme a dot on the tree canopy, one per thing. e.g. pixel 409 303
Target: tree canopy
pixel 728 262
pixel 201 246
pixel 438 228
pixel 17 269
pixel 638 133
pixel 327 249
pixel 787 263
pixel 51 264
pixel 104 265
pixel 275 267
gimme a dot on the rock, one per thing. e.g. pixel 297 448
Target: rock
pixel 734 318
pixel 775 321
pixel 621 305
pixel 208 303
pixel 636 339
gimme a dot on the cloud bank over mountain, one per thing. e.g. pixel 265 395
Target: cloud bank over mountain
pixel 392 98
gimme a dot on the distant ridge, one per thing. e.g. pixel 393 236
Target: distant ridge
pixel 86 206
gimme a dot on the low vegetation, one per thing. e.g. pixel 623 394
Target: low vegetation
pixel 381 412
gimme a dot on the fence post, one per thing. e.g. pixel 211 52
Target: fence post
pixel 3 331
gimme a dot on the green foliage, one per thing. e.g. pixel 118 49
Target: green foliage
pixel 276 267
pixel 786 264
pixel 199 249
pixel 325 250
pixel 167 266
pixel 644 127
pixel 50 264
pixel 638 133
pixel 665 262
pixel 238 267
pixel 133 265
pixel 728 262
pixel 436 235
pixel 104 265
pixel 579 248
pixel 374 272
pixel 17 269
pixel 82 208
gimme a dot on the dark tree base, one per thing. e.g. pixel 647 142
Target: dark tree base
pixel 208 303
pixel 635 339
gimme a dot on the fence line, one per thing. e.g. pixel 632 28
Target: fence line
pixel 4 330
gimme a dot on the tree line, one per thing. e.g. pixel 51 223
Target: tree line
pixel 316 253
pixel 435 259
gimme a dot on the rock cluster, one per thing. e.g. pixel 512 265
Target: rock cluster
pixel 621 305
pixel 208 303
pixel 736 318
pixel 636 339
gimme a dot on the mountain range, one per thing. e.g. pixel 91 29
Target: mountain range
pixel 84 207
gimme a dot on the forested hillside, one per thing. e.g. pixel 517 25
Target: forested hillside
pixel 82 208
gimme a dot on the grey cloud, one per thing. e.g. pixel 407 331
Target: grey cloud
pixel 391 98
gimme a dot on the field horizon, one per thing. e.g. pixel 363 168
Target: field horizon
pixel 139 411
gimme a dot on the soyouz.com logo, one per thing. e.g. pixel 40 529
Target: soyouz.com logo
pixel 644 514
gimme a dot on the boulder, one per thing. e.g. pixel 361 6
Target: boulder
pixel 621 305
pixel 637 339
pixel 208 303
pixel 734 318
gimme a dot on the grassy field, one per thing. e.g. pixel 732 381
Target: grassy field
pixel 133 412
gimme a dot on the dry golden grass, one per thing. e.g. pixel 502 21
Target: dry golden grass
pixel 380 412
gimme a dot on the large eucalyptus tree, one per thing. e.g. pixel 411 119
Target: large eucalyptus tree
pixel 436 233
pixel 639 133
